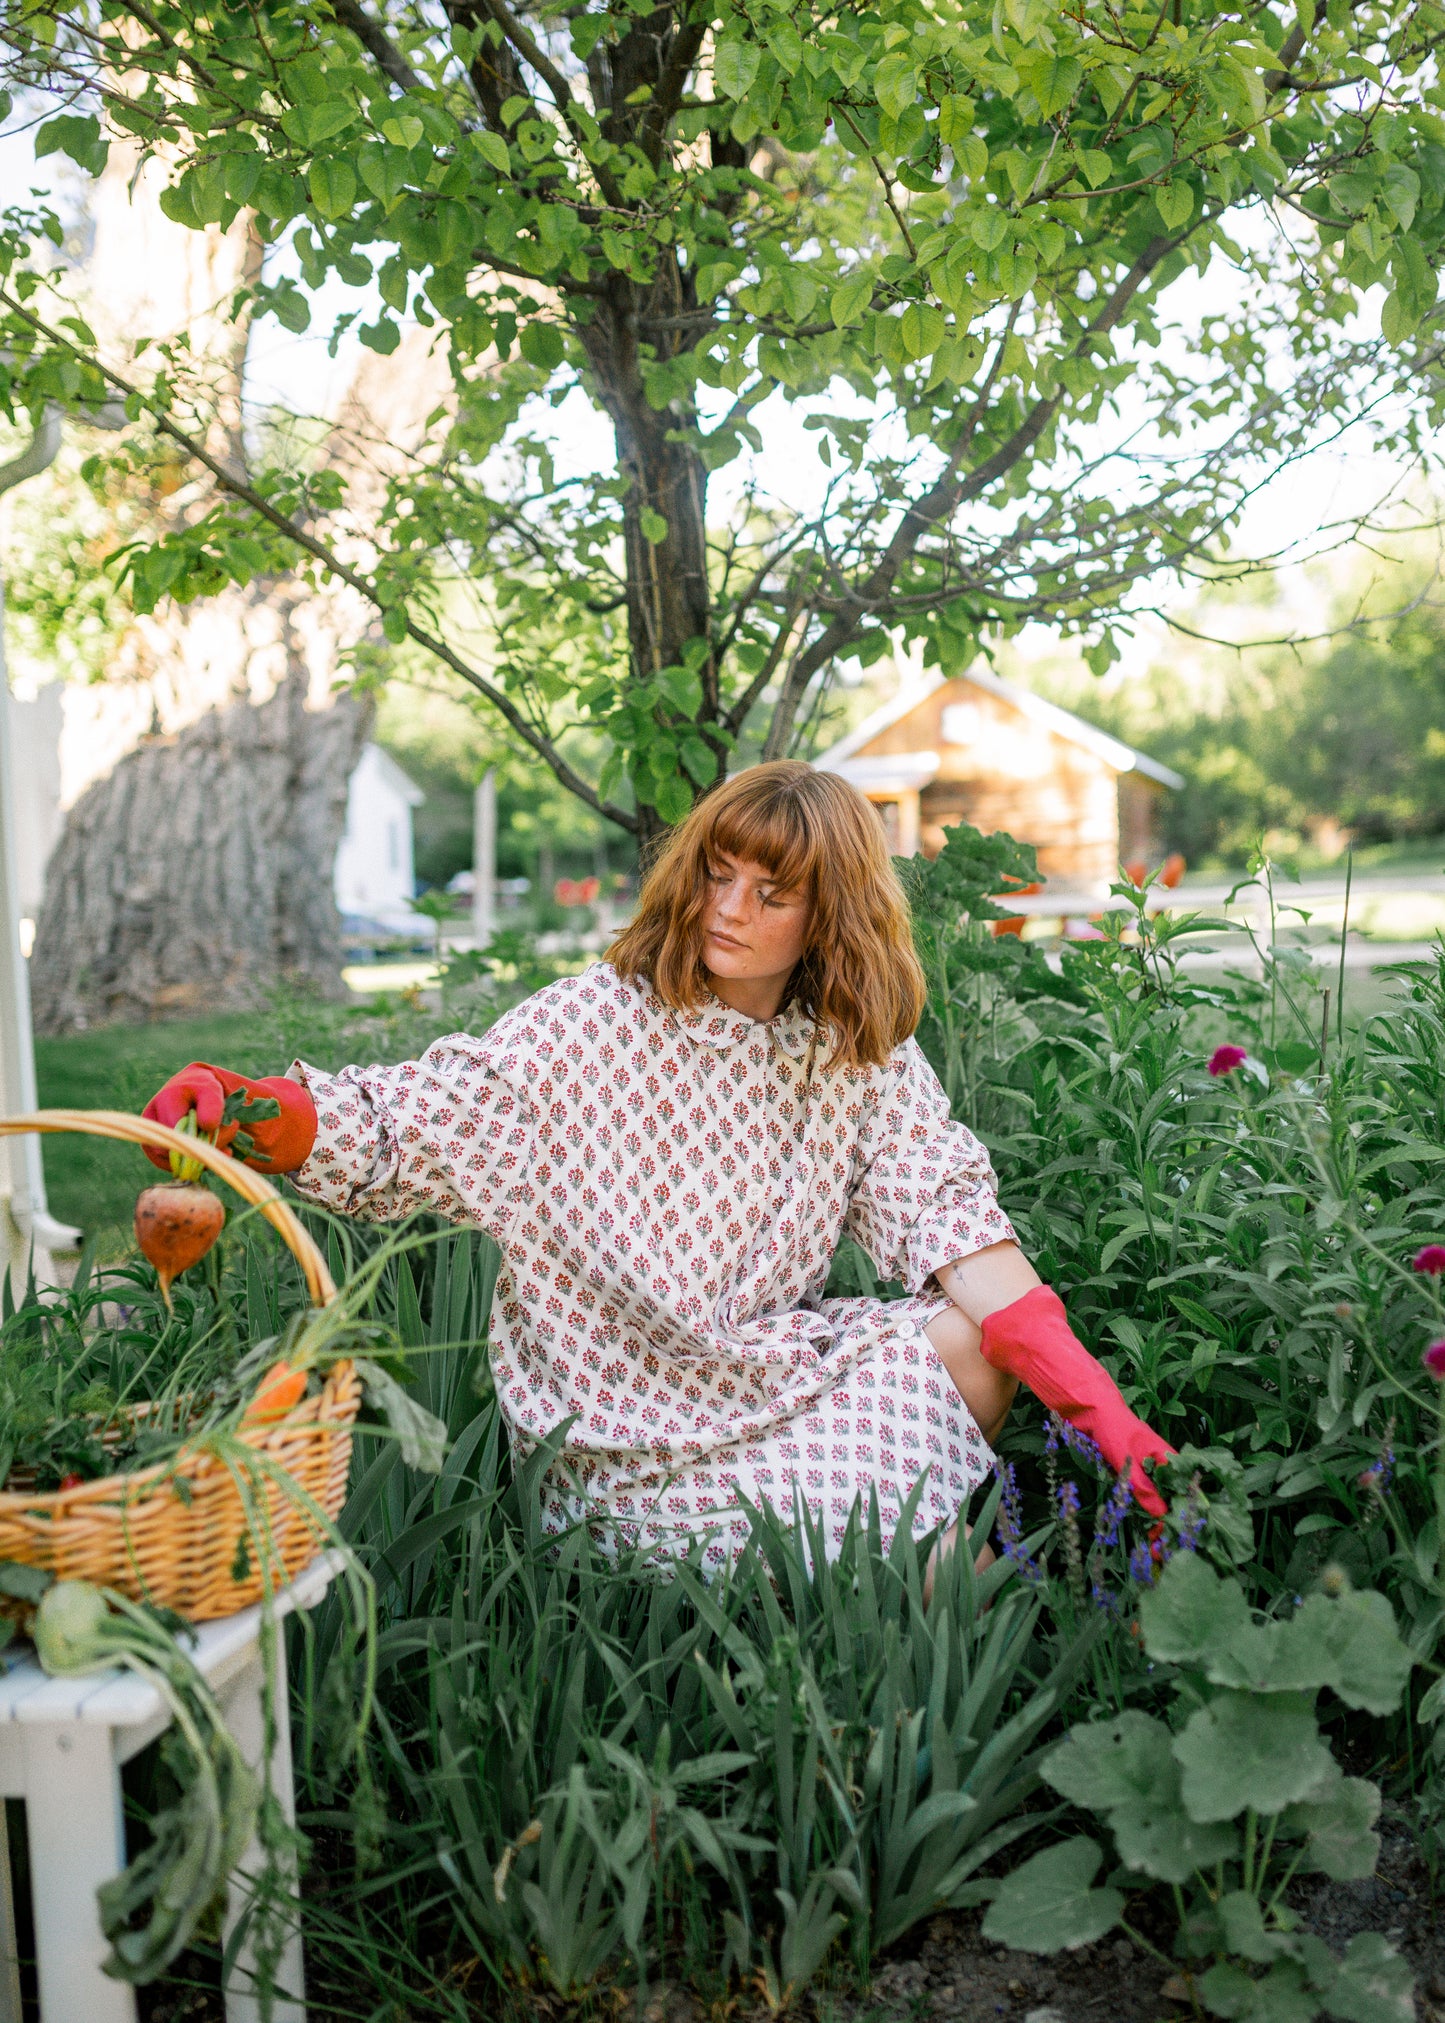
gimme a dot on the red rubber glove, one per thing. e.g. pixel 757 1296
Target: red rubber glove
pixel 281 1144
pixel 1032 1340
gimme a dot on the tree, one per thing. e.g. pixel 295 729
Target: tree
pixel 962 217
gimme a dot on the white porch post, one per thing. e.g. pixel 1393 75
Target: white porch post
pixel 27 1230
pixel 484 859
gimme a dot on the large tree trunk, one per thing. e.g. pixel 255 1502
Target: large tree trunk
pixel 199 870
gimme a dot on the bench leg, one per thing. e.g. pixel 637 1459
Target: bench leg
pixel 241 1706
pixel 76 1833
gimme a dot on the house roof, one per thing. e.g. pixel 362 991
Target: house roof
pixel 392 775
pixel 1062 722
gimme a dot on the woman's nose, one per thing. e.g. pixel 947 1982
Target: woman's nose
pixel 733 901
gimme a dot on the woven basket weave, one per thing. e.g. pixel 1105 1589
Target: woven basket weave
pixel 177 1533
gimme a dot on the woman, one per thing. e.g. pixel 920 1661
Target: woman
pixel 667 1149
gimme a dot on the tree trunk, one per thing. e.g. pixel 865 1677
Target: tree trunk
pixel 668 597
pixel 199 870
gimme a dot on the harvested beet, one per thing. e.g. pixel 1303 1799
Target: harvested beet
pixel 175 1226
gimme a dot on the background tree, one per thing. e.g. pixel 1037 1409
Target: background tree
pixel 950 226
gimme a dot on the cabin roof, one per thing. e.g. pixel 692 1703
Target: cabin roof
pixel 393 775
pixel 1063 723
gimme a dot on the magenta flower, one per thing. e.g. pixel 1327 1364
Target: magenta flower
pixel 1224 1060
pixel 1434 1360
pixel 1431 1259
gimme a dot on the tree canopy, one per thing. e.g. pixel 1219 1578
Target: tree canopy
pixel 954 232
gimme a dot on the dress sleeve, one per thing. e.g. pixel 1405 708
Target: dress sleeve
pixel 452 1132
pixel 924 1192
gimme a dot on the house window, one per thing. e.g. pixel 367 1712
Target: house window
pixel 393 846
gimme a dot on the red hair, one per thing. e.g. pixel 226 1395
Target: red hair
pixel 815 834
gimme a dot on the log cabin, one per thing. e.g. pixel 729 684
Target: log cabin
pixel 979 749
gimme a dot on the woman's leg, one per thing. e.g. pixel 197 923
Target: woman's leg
pixel 987 1392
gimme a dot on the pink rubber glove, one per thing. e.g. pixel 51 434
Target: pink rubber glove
pixel 280 1144
pixel 1032 1340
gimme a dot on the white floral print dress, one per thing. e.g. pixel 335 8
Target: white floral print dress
pixel 667 1189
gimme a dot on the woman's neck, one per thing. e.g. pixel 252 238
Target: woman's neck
pixel 756 997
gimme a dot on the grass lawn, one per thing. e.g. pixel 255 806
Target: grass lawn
pixel 92 1182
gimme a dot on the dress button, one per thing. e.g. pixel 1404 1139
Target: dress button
pixel 906 1330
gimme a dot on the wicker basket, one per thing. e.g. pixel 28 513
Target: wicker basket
pixel 177 1533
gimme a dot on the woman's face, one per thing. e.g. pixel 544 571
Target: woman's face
pixel 755 931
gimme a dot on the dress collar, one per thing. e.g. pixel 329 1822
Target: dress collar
pixel 711 1023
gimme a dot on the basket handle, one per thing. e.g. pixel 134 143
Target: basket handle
pixel 251 1186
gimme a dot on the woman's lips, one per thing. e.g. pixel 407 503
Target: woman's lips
pixel 726 940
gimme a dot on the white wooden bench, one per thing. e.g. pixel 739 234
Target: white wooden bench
pixel 62 1745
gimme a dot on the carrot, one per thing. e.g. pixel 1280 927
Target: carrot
pixel 280 1389
pixel 175 1226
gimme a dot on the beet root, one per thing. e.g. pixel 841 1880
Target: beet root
pixel 175 1226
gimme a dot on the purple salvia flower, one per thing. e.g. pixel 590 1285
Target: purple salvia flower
pixel 1115 1510
pixel 1011 1526
pixel 1141 1564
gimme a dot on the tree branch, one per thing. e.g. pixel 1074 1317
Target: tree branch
pixel 531 52
pixel 237 488
pixel 375 41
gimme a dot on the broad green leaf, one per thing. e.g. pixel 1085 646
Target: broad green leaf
pixel 1339 1825
pixel 1155 1835
pixel 543 344
pixel 1280 1996
pixel 924 328
pixel 1191 1612
pixel 1365 1660
pixel 492 148
pixel 734 67
pixel 1372 1984
pixel 1052 79
pixel 1096 166
pixel 850 298
pixel 653 525
pixel 1245 1931
pixel 1101 1764
pixel 895 84
pixel 1246 1749
pixel 332 182
pixel 672 799
pixel 310 125
pixel 406 131
pixel 76 135
pixel 1049 1906
pixel 786 44
pixel 988 226
pixel 1175 204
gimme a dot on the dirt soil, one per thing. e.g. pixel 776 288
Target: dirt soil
pixel 947 1970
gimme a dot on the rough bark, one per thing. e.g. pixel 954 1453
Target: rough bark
pixel 199 870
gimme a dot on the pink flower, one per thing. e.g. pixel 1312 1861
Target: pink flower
pixel 1224 1060
pixel 1431 1258
pixel 1434 1360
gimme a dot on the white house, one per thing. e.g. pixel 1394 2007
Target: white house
pixel 375 878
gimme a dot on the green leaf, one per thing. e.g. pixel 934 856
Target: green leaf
pixel 76 135
pixel 1280 1997
pixel 734 67
pixel 1048 1906
pixel 492 148
pixel 1101 1764
pixel 1339 1827
pixel 786 44
pixel 422 1437
pixel 1096 166
pixel 849 299
pixel 988 226
pixel 310 125
pixel 1125 1769
pixel 543 344
pixel 1245 1932
pixel 672 799
pixel 1247 1749
pixel 1175 204
pixel 1190 1612
pixel 924 328
pixel 393 623
pixel 653 525
pixel 895 84
pixel 332 182
pixel 405 131
pixel 382 336
pixel 1052 79
pixel 1372 1984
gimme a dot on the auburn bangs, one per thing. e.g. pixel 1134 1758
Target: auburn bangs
pixel 859 978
